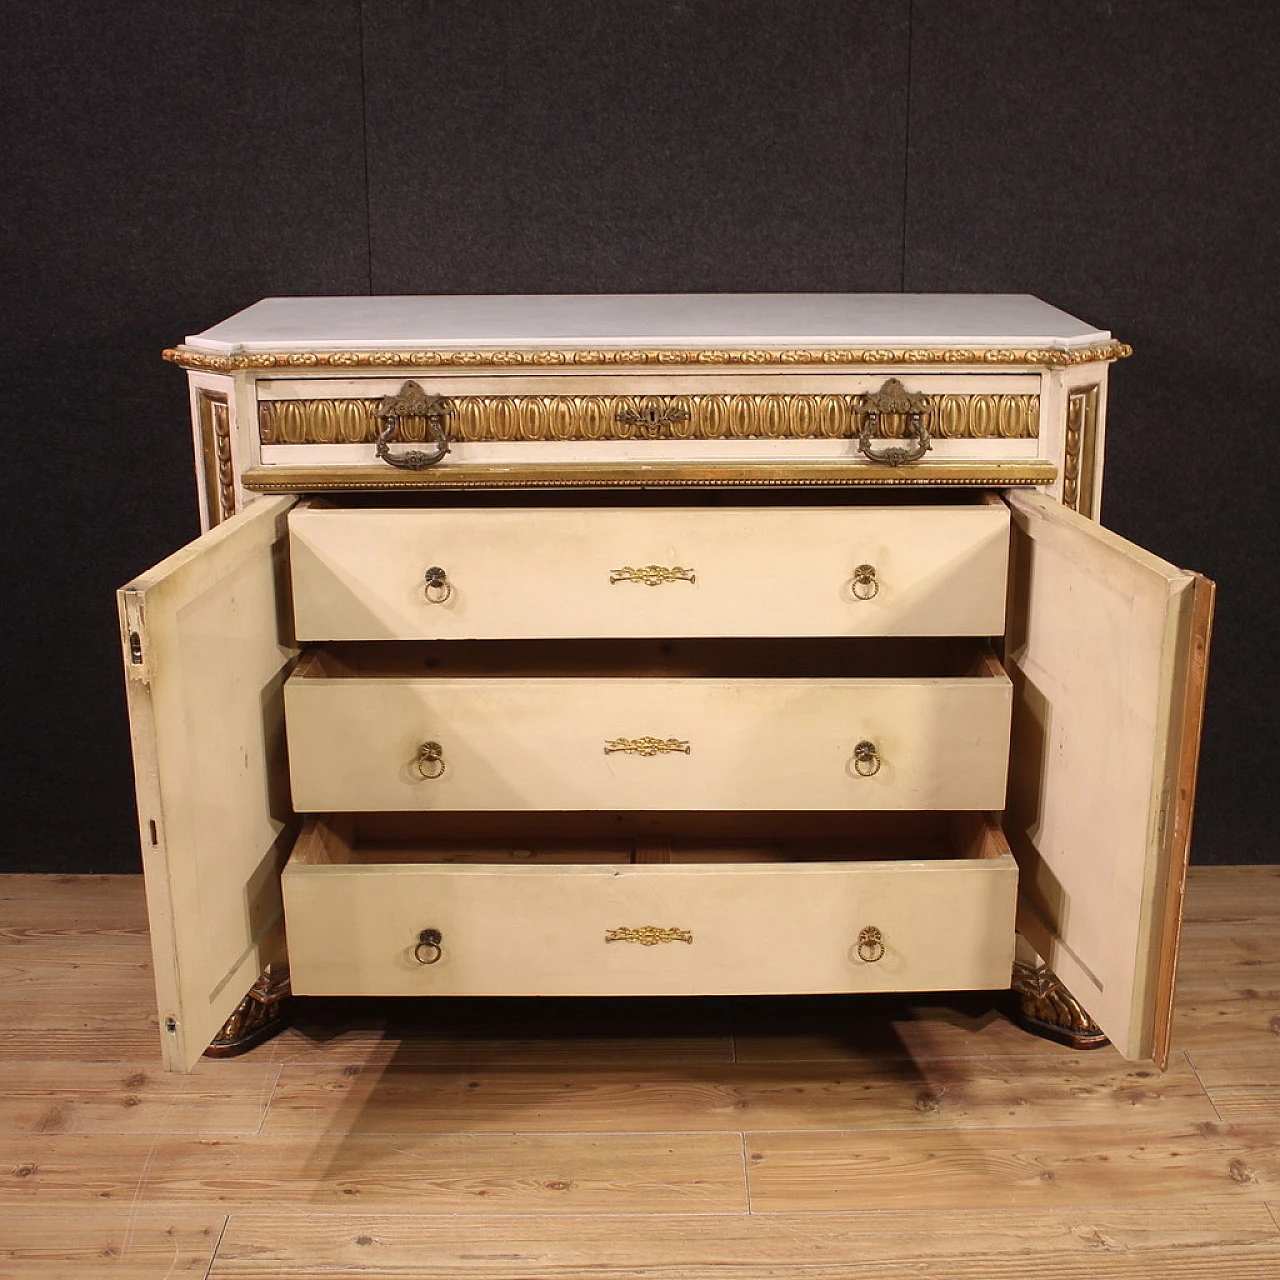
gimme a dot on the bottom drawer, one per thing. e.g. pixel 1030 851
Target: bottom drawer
pixel 913 902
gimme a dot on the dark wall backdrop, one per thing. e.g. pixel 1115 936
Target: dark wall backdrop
pixel 169 165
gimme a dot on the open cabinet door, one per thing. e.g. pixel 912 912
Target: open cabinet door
pixel 207 644
pixel 1107 647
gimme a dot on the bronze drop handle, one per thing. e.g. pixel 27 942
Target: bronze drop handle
pixel 413 402
pixel 894 398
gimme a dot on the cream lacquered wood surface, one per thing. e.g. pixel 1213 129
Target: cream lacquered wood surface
pixel 540 743
pixel 513 573
pixel 762 928
pixel 1103 649
pixel 206 651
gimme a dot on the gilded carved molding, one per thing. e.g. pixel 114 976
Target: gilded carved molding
pixel 214 419
pixel 326 478
pixel 1050 358
pixel 1079 449
pixel 683 417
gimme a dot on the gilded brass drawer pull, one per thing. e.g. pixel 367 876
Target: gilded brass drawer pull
pixel 413 402
pixel 430 760
pixel 652 416
pixel 430 946
pixel 646 746
pixel 866 586
pixel 866 759
pixel 870 945
pixel 438 588
pixel 651 575
pixel 894 398
pixel 648 935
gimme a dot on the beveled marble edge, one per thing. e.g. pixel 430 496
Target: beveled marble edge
pixel 664 357
pixel 320 478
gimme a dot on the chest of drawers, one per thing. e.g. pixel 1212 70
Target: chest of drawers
pixel 707 645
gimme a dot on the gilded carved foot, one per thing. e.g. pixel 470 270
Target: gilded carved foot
pixel 1048 1009
pixel 259 1016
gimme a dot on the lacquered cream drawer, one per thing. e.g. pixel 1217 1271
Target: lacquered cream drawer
pixel 381 738
pixel 361 925
pixel 512 573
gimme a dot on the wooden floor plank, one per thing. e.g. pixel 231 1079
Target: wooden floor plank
pixel 1214 892
pixel 812 1172
pixel 1228 943
pixel 103 892
pixel 1243 1014
pixel 27 977
pixel 932 1094
pixel 62 937
pixel 88 1097
pixel 508 1173
pixel 37 1245
pixel 1243 1084
pixel 1222 1241
pixel 129 1032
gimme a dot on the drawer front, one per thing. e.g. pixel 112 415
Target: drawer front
pixel 357 744
pixel 695 930
pixel 991 409
pixel 521 574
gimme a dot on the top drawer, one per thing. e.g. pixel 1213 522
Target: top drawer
pixel 400 574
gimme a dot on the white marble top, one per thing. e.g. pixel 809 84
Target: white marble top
pixel 732 320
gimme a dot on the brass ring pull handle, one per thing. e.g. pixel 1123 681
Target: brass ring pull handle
pixel 870 945
pixel 430 946
pixel 894 398
pixel 430 760
pixel 413 402
pixel 866 585
pixel 438 588
pixel 866 759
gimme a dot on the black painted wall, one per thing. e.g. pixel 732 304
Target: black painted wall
pixel 169 165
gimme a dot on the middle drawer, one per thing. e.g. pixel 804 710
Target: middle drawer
pixel 869 725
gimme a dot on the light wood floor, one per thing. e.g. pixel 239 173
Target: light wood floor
pixel 821 1137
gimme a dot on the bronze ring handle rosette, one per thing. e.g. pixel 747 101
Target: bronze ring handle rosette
pixel 866 759
pixel 430 760
pixel 437 586
pixel 413 402
pixel 430 946
pixel 894 398
pixel 866 586
pixel 870 945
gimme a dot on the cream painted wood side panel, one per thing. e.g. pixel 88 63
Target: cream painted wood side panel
pixel 206 649
pixel 752 744
pixel 763 929
pixel 1098 648
pixel 359 575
